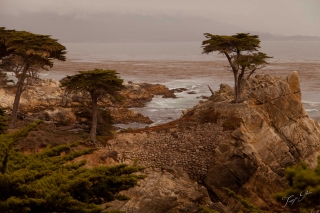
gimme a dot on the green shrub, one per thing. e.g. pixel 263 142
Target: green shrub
pixel 50 182
pixel 3 122
pixel 247 206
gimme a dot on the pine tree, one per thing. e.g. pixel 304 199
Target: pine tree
pixel 50 182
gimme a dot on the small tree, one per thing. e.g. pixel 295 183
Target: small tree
pixel 96 84
pixel 241 52
pixel 49 182
pixel 24 52
pixel 304 190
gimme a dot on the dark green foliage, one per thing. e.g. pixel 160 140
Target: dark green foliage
pixel 25 53
pixel 49 182
pixel 302 179
pixel 241 51
pixel 98 82
pixel 3 121
pixel 231 123
pixel 247 207
pixel 96 85
pixel 105 120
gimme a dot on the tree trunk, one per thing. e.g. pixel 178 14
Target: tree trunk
pixel 239 79
pixel 17 97
pixel 93 132
pixel 235 87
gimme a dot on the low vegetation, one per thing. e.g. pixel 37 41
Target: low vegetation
pixel 304 190
pixel 49 182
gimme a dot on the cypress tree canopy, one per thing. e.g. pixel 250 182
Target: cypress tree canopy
pixel 241 51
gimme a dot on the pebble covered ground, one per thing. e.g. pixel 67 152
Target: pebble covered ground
pixel 190 148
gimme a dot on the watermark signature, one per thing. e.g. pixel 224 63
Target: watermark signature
pixel 292 199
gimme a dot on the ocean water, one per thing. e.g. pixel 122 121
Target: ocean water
pixel 282 51
pixel 162 110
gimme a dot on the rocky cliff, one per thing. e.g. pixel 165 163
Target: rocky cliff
pixel 244 147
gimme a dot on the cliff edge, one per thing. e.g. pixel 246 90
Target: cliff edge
pixel 244 147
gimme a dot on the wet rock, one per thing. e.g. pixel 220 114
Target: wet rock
pixel 178 90
pixel 191 92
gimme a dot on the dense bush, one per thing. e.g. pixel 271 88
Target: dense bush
pixel 3 121
pixel 304 188
pixel 50 182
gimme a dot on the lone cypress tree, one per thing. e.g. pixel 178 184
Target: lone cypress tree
pixel 241 51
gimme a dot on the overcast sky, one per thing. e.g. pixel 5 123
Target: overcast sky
pixel 287 17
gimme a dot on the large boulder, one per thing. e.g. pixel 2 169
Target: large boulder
pixel 167 190
pixel 137 94
pixel 275 133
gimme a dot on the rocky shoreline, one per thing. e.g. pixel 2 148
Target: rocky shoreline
pixel 244 147
pixel 47 101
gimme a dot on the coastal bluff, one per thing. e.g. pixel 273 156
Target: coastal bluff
pixel 244 147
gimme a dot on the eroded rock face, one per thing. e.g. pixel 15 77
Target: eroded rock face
pixel 275 133
pixel 167 190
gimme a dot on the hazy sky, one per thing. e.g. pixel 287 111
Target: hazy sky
pixel 287 17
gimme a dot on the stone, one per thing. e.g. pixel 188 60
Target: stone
pixel 61 116
pixel 170 190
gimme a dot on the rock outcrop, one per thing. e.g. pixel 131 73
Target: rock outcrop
pixel 125 116
pixel 244 147
pixel 138 94
pixel 275 133
pixel 166 190
pixel 43 95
